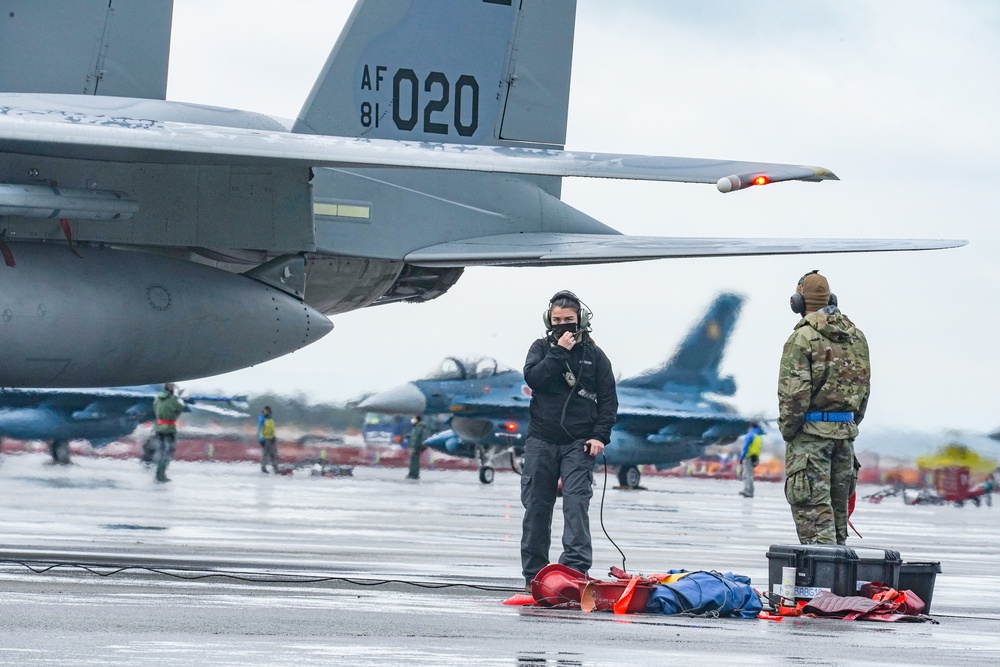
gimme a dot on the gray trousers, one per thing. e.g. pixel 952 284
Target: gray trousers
pixel 748 476
pixel 166 444
pixel 544 464
pixel 269 454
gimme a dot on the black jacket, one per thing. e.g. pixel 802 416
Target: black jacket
pixel 559 413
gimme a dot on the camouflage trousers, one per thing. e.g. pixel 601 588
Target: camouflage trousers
pixel 820 477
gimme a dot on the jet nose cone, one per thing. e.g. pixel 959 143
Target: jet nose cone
pixel 404 400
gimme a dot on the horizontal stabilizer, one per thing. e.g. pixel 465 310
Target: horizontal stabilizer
pixel 62 126
pixel 547 249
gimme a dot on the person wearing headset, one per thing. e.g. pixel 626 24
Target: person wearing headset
pixel 823 386
pixel 573 407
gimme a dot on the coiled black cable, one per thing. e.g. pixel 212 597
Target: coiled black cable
pixel 194 574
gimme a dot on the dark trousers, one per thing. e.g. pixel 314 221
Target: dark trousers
pixel 544 464
pixel 415 453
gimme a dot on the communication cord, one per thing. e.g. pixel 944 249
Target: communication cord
pixel 194 574
pixel 604 492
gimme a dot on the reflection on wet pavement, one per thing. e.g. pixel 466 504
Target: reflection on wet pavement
pixel 292 541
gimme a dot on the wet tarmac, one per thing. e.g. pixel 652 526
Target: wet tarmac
pixel 231 567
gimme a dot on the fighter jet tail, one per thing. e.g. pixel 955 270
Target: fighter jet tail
pixel 85 47
pixel 694 367
pixel 492 72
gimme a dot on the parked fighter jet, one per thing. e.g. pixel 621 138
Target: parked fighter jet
pixel 665 414
pixel 220 238
pixel 57 416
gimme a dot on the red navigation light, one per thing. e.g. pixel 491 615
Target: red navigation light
pixel 511 426
pixel 761 180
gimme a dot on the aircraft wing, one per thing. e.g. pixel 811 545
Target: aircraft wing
pixel 139 392
pixel 215 409
pixel 547 249
pixel 627 411
pixel 51 125
pixel 91 393
pixel 499 402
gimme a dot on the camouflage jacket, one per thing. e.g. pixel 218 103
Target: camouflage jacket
pixel 824 367
pixel 420 432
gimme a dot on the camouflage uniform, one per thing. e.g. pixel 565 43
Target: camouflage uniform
pixel 420 432
pixel 167 409
pixel 824 368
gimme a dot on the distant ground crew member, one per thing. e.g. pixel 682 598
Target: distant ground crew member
pixel 573 407
pixel 267 438
pixel 823 387
pixel 420 432
pixel 750 457
pixel 167 408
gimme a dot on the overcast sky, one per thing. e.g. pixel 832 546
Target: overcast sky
pixel 900 99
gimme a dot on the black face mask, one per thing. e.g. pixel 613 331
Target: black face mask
pixel 559 329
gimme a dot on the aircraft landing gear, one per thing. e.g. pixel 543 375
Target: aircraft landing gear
pixel 485 456
pixel 516 463
pixel 59 450
pixel 628 476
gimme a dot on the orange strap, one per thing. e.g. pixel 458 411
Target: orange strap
pixel 68 233
pixel 8 256
pixel 166 422
pixel 621 607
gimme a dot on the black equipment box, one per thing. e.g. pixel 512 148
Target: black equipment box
pixel 877 564
pixel 919 578
pixel 818 567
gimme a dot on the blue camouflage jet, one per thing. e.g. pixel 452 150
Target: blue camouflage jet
pixel 665 415
pixel 99 415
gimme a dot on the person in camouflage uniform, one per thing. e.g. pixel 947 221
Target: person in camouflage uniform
pixel 420 432
pixel 167 408
pixel 823 387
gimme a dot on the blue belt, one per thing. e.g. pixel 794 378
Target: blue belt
pixel 829 416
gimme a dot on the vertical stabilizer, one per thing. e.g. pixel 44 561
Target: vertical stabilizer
pixel 483 72
pixel 694 367
pixel 85 47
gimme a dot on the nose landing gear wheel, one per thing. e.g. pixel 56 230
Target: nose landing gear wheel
pixel 629 476
pixel 59 450
pixel 486 475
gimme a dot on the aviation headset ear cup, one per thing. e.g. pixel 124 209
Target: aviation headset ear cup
pixel 584 313
pixel 798 304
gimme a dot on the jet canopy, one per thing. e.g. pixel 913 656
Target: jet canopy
pixel 453 368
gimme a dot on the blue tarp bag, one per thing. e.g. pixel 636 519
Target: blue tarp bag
pixel 706 594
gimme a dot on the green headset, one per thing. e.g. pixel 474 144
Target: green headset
pixel 798 302
pixel 583 312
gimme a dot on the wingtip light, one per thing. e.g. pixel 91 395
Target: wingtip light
pixel 738 182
